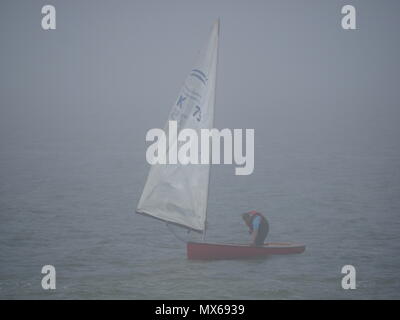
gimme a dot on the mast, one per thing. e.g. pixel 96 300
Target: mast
pixel 215 94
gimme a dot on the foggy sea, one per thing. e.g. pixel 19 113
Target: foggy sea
pixel 75 106
pixel 75 211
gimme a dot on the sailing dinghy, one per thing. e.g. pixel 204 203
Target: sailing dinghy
pixel 178 193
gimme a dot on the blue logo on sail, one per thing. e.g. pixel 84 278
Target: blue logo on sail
pixel 199 75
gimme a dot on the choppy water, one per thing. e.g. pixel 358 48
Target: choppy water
pixel 73 208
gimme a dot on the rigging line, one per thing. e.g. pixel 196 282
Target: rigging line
pixel 176 236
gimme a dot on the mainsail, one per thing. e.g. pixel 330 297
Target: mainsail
pixel 177 193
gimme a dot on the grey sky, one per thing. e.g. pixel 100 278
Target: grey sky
pixel 112 70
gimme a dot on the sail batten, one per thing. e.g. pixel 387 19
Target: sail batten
pixel 178 193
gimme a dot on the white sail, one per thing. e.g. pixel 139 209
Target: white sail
pixel 178 193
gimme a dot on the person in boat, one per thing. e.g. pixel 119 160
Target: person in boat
pixel 258 227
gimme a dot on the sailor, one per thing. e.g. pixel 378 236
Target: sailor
pixel 258 227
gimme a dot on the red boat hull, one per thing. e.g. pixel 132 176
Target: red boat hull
pixel 215 251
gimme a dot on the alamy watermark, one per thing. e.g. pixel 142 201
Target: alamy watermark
pixel 49 280
pixel 188 148
pixel 349 280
